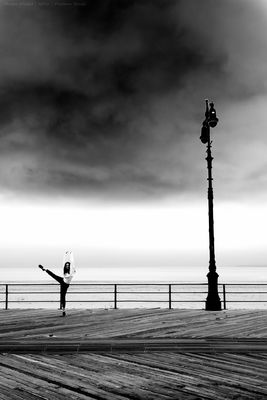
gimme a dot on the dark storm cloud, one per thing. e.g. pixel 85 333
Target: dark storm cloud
pixel 95 98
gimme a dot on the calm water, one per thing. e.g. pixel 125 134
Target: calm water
pixel 101 293
pixel 235 274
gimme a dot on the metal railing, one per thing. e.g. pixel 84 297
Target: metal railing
pixel 119 293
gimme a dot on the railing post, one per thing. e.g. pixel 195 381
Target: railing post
pixel 6 296
pixel 115 297
pixel 224 297
pixel 170 296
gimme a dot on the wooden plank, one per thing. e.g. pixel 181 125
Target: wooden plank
pixel 182 345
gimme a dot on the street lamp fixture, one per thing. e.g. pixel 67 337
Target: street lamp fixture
pixel 213 302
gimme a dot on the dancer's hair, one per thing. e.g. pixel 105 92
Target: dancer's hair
pixel 67 267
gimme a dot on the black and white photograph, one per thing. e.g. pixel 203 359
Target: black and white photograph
pixel 133 199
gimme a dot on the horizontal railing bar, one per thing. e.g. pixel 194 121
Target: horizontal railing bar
pixel 129 292
pixel 70 292
pixel 94 284
pixel 32 293
pixel 187 301
pixel 103 301
pixel 30 301
pixel 129 301
pixel 134 284
pixel 160 284
pixel 56 301
pixel 242 284
pixel 106 284
pixel 247 301
pixel 186 292
pixel 118 301
pixel 156 301
pixel 142 301
pixel 134 292
pixel 242 292
pixel 146 293
pixel 119 293
pixel 159 301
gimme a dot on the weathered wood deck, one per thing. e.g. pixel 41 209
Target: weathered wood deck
pixel 133 354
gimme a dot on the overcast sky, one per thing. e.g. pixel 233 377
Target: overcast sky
pixel 102 104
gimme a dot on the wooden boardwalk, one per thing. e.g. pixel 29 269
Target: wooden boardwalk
pixel 133 354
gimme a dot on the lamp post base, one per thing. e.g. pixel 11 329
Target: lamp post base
pixel 213 302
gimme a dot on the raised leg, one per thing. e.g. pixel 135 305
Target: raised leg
pixel 59 279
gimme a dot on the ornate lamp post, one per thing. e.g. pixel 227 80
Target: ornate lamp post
pixel 213 302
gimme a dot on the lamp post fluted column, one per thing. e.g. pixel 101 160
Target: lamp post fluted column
pixel 213 302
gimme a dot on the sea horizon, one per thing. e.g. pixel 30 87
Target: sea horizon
pixel 138 274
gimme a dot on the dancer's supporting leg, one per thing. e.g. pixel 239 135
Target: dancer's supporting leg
pixel 63 290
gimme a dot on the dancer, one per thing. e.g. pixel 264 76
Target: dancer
pixel 68 273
